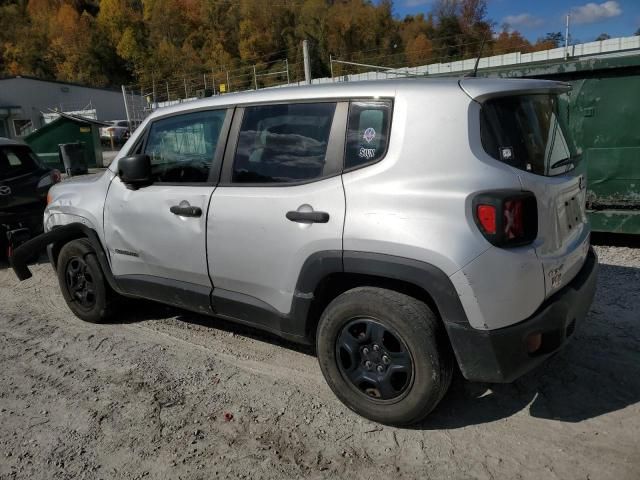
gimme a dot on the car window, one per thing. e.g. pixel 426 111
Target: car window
pixel 17 160
pixel 182 147
pixel 283 143
pixel 529 132
pixel 123 124
pixel 367 132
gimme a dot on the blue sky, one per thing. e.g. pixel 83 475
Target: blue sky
pixel 534 18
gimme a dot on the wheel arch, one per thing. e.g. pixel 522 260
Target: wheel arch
pixel 53 241
pixel 74 232
pixel 326 275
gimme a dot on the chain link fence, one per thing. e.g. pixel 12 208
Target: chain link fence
pixel 143 98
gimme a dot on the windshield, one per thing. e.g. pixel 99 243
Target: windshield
pixel 16 160
pixel 529 132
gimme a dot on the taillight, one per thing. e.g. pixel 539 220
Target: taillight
pixel 507 218
pixel 56 177
pixel 487 217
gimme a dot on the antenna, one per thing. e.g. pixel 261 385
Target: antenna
pixel 474 73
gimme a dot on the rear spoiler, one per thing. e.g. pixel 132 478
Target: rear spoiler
pixel 481 89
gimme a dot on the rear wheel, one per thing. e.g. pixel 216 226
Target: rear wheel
pixel 384 354
pixel 83 284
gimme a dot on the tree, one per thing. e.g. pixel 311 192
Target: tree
pixel 418 51
pixel 637 32
pixel 509 41
pixel 551 40
pixel 603 36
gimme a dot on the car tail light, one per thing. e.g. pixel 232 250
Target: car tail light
pixel 487 218
pixel 506 218
pixel 56 176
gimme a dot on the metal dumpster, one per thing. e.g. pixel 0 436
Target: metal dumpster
pixel 73 157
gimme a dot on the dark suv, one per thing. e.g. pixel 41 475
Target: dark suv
pixel 24 183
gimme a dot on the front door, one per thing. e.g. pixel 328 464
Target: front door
pixel 157 234
pixel 280 201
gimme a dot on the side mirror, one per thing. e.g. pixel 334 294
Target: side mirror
pixel 135 171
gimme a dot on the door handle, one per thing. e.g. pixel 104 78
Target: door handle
pixel 308 217
pixel 186 211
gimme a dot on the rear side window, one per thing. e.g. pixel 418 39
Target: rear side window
pixel 529 132
pixel 367 132
pixel 283 143
pixel 17 160
pixel 182 147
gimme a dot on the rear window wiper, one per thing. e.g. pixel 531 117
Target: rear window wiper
pixel 565 161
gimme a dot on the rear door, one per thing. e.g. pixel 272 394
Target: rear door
pixel 280 200
pixel 528 131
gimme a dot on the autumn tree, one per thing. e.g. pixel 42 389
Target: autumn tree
pixel 509 41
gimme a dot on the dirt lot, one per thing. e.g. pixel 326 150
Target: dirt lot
pixel 146 398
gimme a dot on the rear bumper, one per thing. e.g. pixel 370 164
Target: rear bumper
pixel 501 355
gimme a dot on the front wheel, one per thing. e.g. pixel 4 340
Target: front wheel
pixel 384 354
pixel 83 284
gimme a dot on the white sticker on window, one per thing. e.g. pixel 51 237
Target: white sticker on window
pixel 369 134
pixel 367 153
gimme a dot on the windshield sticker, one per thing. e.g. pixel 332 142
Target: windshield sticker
pixel 506 153
pixel 369 134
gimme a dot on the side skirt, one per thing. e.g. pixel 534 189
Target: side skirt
pixel 224 304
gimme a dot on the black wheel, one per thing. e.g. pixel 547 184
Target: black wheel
pixel 384 354
pixel 82 282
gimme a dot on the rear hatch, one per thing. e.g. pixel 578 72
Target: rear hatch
pixel 525 127
pixel 20 176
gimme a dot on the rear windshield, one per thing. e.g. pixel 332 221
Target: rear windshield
pixel 16 160
pixel 529 132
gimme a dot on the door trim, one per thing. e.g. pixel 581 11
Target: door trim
pixel 189 296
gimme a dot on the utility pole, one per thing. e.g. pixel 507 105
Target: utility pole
pixel 168 97
pixel 126 106
pixel 154 104
pixel 286 62
pixel 331 66
pixel 307 64
pixel 255 78
pixel 566 40
pixel 186 94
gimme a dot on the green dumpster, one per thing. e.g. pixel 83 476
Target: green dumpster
pixel 67 129
pixel 604 109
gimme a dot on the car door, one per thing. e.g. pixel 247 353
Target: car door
pixel 280 201
pixel 151 239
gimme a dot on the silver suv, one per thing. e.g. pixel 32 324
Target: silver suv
pixel 402 227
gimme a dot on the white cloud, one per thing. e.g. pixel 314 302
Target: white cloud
pixel 415 3
pixel 594 12
pixel 525 20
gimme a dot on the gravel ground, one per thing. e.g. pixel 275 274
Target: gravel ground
pixel 153 396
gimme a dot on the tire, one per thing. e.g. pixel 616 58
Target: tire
pixel 77 263
pixel 418 367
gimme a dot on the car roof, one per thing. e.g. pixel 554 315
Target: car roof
pixel 9 141
pixel 474 87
